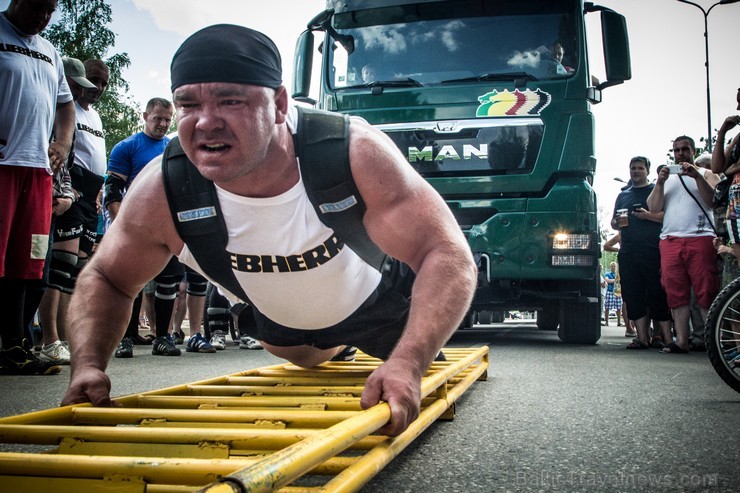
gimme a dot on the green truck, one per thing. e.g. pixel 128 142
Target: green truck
pixel 489 100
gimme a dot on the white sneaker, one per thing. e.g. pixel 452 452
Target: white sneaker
pixel 217 341
pixel 247 342
pixel 56 352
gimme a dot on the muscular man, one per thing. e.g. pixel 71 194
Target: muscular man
pixel 75 230
pixel 687 255
pixel 236 125
pixel 36 99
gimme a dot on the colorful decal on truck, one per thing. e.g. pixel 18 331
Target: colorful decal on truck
pixel 515 103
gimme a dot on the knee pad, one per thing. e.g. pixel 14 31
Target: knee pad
pixel 81 263
pixel 197 288
pixel 167 287
pixel 62 268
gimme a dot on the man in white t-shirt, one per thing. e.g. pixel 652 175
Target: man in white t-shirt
pixel 687 255
pixel 235 124
pixel 75 230
pixel 36 103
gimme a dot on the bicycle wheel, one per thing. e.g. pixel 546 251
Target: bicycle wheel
pixel 722 336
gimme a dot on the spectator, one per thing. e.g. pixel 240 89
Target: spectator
pixel 612 301
pixel 688 258
pixel 236 125
pixel 76 230
pixel 639 259
pixel 36 98
pixel 726 160
pixel 127 160
pixel 612 245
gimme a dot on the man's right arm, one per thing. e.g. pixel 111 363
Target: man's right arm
pixel 134 250
pixel 656 199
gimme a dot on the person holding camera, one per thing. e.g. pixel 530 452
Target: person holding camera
pixel 684 193
pixel 639 257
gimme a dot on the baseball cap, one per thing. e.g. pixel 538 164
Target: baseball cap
pixel 75 70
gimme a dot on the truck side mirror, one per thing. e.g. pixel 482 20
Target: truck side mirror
pixel 616 48
pixel 302 65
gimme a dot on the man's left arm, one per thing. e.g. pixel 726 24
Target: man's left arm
pixel 64 127
pixel 705 182
pixel 409 220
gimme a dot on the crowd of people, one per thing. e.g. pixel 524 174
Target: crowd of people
pixel 677 244
pixel 239 138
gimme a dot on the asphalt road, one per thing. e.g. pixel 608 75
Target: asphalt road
pixel 551 417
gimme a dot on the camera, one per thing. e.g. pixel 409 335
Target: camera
pixel 674 169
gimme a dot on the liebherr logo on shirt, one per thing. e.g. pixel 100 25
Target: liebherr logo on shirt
pixel 25 51
pixel 90 130
pixel 291 263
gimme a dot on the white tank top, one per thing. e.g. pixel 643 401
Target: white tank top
pixel 291 266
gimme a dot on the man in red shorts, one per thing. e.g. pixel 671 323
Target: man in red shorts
pixel 687 256
pixel 36 100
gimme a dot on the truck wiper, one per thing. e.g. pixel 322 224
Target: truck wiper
pixel 494 76
pixel 405 82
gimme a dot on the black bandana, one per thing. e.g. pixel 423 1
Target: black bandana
pixel 227 53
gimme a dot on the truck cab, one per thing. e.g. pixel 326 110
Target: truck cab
pixel 490 102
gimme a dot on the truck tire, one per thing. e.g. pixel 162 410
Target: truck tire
pixel 548 318
pixel 485 317
pixel 498 317
pixel 581 322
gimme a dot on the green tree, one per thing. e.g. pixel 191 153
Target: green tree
pixel 82 32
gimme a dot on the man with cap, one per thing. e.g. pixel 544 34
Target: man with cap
pixel 35 100
pixel 75 231
pixel 236 125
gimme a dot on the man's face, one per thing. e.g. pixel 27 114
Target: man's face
pixel 613 267
pixel 31 16
pixel 75 88
pixel 97 74
pixel 558 52
pixel 683 151
pixel 157 122
pixel 228 129
pixel 638 173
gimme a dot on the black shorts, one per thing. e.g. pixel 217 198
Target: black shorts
pixel 79 221
pixel 375 327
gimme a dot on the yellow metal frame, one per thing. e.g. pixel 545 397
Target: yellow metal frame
pixel 277 428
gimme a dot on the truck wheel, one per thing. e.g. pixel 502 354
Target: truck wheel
pixel 548 318
pixel 485 317
pixel 498 317
pixel 581 323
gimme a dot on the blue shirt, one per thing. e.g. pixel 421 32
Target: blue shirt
pixel 129 156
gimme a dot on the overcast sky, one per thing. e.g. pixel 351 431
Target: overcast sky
pixel 665 98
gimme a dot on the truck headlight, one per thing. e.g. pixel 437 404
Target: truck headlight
pixel 573 249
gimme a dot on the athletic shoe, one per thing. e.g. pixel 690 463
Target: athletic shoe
pixel 56 352
pixel 198 344
pixel 20 361
pixel 125 348
pixel 218 342
pixel 246 342
pixel 164 346
pixel 346 354
pixel 177 336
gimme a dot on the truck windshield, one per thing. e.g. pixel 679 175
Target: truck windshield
pixel 436 43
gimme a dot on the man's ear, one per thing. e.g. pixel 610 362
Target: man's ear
pixel 145 115
pixel 281 104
